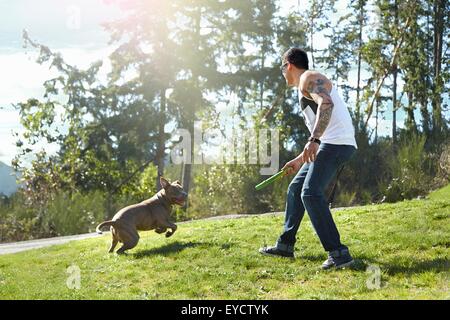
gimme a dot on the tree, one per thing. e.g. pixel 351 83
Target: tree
pixel 339 54
pixel 316 18
pixel 102 133
pixel 361 13
pixel 441 12
pixel 148 50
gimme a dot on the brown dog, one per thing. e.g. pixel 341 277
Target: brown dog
pixel 148 215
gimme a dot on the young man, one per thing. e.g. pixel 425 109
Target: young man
pixel 332 142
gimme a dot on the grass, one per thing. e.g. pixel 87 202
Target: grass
pixel 218 259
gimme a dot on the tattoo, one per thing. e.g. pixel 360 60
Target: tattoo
pixel 322 121
pixel 325 104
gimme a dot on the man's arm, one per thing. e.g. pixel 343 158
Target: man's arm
pixel 319 89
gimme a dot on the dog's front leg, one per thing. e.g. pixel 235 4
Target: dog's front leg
pixel 173 228
pixel 161 230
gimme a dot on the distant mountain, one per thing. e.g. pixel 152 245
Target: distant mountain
pixel 8 184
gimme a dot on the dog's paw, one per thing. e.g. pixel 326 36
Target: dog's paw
pixel 160 230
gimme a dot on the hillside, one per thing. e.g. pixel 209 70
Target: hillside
pixel 408 242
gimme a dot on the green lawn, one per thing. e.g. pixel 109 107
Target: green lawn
pixel 408 241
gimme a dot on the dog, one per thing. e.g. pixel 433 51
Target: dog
pixel 150 214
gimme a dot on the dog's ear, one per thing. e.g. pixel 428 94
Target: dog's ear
pixel 164 182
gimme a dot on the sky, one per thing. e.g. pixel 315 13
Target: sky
pixel 73 28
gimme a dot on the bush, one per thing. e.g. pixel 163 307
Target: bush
pixel 442 161
pixel 75 213
pixel 141 187
pixel 42 209
pixel 409 179
pixel 345 199
pixel 16 222
pixel 226 189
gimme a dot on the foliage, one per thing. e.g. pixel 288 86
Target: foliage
pixel 218 62
pixel 408 176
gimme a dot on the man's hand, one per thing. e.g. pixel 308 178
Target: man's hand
pixel 310 152
pixel 293 166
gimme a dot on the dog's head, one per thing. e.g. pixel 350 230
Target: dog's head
pixel 174 191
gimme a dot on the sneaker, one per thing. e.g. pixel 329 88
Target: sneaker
pixel 275 252
pixel 338 259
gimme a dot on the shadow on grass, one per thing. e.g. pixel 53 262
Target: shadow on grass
pixel 361 262
pixel 393 268
pixel 434 265
pixel 168 249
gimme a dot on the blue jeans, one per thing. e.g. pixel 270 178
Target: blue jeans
pixel 306 190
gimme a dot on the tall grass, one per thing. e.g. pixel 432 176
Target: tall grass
pixel 409 179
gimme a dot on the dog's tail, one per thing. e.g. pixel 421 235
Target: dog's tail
pixel 104 224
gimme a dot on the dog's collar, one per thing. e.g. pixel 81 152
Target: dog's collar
pixel 163 199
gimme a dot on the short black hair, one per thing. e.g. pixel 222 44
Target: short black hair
pixel 297 57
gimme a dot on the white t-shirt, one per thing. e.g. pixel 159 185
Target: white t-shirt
pixel 340 130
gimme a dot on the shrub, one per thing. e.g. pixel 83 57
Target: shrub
pixel 75 213
pixel 409 179
pixel 225 189
pixel 345 199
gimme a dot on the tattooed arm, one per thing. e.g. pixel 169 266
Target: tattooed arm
pixel 319 88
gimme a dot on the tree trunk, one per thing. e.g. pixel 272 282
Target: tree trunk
pixel 358 89
pixel 186 179
pixel 312 41
pixel 377 107
pixel 394 89
pixel 437 66
pixel 410 120
pixel 426 122
pixel 426 118
pixel 160 153
pixel 394 106
pixel 261 85
pixel 187 167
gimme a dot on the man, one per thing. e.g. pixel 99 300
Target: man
pixel 331 144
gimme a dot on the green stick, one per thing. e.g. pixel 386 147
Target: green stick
pixel 268 181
